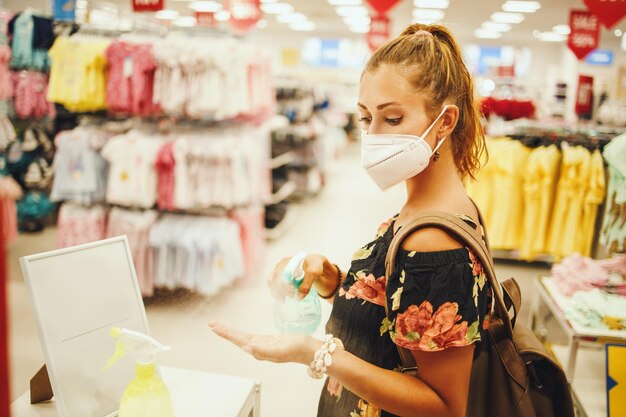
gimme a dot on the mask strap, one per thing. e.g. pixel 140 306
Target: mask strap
pixel 431 126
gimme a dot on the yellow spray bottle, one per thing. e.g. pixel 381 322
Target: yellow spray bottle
pixel 146 394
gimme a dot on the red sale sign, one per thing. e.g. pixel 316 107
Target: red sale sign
pixel 585 32
pixel 584 96
pixel 380 27
pixel 609 12
pixel 382 6
pixel 147 5
pixel 244 14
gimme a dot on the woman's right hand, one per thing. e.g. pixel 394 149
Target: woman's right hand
pixel 318 271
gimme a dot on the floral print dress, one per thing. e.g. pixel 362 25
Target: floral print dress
pixel 436 300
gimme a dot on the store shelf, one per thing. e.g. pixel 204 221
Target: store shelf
pixel 285 191
pixel 282 160
pixel 513 255
pixel 282 228
pixel 589 386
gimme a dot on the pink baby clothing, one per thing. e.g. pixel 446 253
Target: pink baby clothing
pixel 165 165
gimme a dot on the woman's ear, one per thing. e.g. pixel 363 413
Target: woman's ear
pixel 449 119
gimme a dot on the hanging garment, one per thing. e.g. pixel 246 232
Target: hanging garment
pixel 136 226
pixel 77 75
pixel 215 79
pixel 540 178
pixel 509 159
pixel 201 254
pixel 77 225
pixel 568 207
pixel 132 180
pixel 165 166
pixel 30 36
pixel 31 95
pixel 614 226
pixel 10 191
pixel 130 79
pixel 80 170
pixel 6 83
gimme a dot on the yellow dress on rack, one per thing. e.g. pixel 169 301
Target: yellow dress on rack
pixel 540 176
pixel 568 208
pixel 78 74
pixel 509 161
pixel 480 189
pixel 593 199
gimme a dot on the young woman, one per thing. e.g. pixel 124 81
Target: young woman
pixel 415 91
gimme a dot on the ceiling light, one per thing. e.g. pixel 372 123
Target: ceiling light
pixel 507 17
pixel 345 2
pixel 222 16
pixel 261 24
pixel 185 21
pixel 352 11
pixel 306 26
pixel 277 8
pixel 359 29
pixel 432 4
pixel 291 18
pixel 166 14
pixel 496 27
pixel 429 14
pixel 425 21
pixel 551 37
pixel 205 6
pixel 357 20
pixel 562 29
pixel 618 32
pixel 521 6
pixel 487 34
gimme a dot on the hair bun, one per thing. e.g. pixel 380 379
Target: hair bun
pixel 416 29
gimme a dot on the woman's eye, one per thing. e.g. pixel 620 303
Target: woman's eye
pixel 393 121
pixel 365 120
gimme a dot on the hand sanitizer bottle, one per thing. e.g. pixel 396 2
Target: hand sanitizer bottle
pixel 146 394
pixel 297 316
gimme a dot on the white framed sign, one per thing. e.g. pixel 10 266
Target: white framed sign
pixel 78 294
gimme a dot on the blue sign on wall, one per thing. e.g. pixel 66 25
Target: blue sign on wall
pixel 64 10
pixel 600 57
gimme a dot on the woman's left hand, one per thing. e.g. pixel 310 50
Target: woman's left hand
pixel 280 349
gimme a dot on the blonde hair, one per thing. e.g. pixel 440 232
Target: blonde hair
pixel 430 59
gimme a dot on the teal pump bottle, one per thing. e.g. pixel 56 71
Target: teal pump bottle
pixel 146 395
pixel 297 316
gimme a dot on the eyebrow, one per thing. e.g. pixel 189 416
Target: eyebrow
pixel 380 106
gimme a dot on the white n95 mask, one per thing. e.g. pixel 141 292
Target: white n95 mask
pixel 390 159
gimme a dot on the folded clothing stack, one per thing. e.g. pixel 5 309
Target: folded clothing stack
pixel 580 273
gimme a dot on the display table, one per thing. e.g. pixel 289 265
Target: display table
pixel 589 388
pixel 194 394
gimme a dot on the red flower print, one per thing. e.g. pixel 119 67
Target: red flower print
pixel 477 267
pixel 369 288
pixel 334 388
pixel 419 329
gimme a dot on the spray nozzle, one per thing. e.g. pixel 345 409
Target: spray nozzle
pixel 294 272
pixel 130 341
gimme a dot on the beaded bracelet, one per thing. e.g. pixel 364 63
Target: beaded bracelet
pixel 332 293
pixel 323 359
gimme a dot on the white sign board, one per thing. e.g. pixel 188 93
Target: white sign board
pixel 78 294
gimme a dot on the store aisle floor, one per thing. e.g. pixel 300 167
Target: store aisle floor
pixel 341 219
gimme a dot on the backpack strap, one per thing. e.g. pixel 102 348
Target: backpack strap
pixel 469 237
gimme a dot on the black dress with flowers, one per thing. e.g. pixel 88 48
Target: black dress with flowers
pixel 436 300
